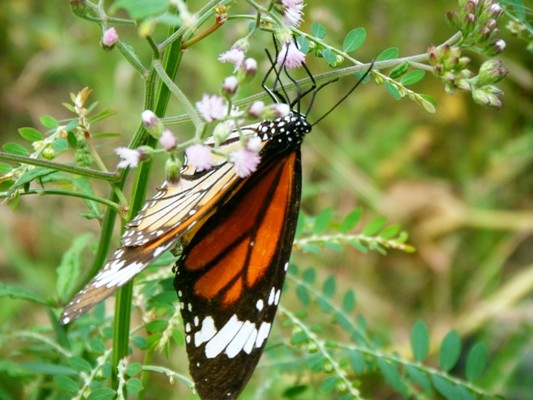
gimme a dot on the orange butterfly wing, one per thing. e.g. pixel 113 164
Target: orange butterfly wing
pixel 231 274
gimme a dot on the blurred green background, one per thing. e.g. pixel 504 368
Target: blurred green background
pixel 459 181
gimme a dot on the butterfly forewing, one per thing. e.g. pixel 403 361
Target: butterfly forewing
pixel 230 277
pixel 164 219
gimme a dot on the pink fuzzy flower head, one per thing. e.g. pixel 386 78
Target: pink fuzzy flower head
pixel 109 38
pixel 212 108
pixel 130 157
pixel 246 159
pixel 234 56
pixel 199 157
pixel 293 12
pixel 290 56
pixel 167 140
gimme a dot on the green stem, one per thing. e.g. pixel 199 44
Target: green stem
pixel 70 193
pixel 176 91
pixel 156 99
pixel 89 173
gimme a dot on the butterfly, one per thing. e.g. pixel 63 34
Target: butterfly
pixel 236 236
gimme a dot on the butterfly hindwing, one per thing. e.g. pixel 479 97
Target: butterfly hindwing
pixel 231 274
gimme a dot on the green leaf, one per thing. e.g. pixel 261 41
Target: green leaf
pixel 134 385
pixel 354 39
pixel 5 168
pixel 450 350
pixel 350 221
pixel 420 340
pixel 33 174
pixel 393 90
pixel 102 393
pixel 324 305
pixel 427 102
pixel 418 377
pixel 390 373
pixel 309 275
pixel 390 231
pixel 387 54
pixel 475 362
pixel 399 70
pixel 60 145
pixel 48 369
pixel 30 134
pixel 97 345
pixel 329 286
pixel 66 383
pixel 357 361
pixel 156 325
pixel 133 368
pixel 466 395
pixel 412 77
pixel 19 293
pixel 294 392
pixel 318 30
pixel 329 384
pixel 49 122
pixel 79 364
pixel 444 387
pixel 69 270
pixel 330 57
pixel 139 9
pixel 16 149
pixel 303 44
pixel 140 342
pixel 322 221
pixel 348 301
pixel 303 295
pixel 375 226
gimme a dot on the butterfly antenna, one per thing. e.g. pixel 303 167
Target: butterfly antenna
pixel 345 96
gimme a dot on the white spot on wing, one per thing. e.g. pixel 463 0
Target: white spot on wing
pixel 259 305
pixel 207 331
pixel 222 339
pixel 262 334
pixel 240 339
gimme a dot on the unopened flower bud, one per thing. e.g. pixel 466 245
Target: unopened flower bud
pixel 222 131
pixel 495 48
pixel 229 86
pixel 48 153
pixel 109 38
pixel 487 96
pixel 249 68
pixel 256 109
pixel 152 123
pixel 172 170
pixel 491 71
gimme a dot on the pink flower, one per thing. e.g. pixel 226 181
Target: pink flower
pixel 212 108
pixel 130 157
pixel 109 38
pixel 256 108
pixel 199 156
pixel 234 56
pixel 246 159
pixel 167 140
pixel 280 110
pixel 293 12
pixel 290 56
